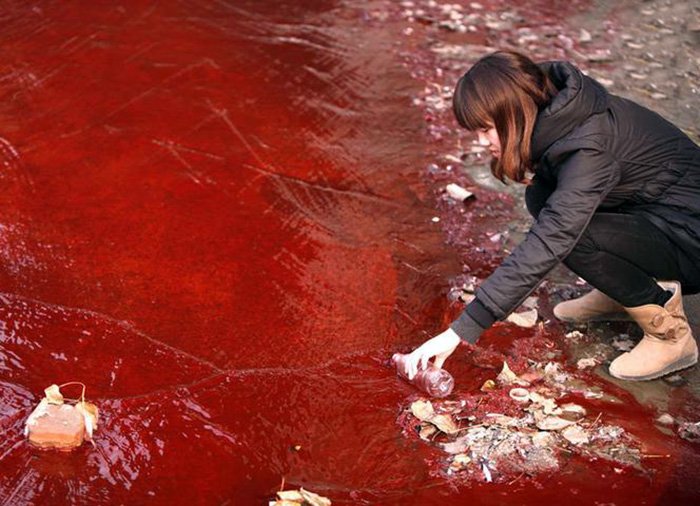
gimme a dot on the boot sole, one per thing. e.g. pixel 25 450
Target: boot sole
pixel 610 317
pixel 675 367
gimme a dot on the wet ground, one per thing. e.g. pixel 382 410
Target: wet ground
pixel 224 217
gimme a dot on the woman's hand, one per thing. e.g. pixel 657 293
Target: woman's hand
pixel 440 347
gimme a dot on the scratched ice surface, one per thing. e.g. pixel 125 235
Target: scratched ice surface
pixel 212 215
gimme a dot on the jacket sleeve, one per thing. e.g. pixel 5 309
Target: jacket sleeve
pixel 584 178
pixel 536 195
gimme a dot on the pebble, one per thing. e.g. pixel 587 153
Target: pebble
pixel 586 363
pixel 665 419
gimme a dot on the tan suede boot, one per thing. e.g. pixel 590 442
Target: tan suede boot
pixel 594 306
pixel 667 346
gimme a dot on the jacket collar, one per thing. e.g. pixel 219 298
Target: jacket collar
pixel 578 98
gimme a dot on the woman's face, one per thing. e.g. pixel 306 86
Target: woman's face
pixel 488 137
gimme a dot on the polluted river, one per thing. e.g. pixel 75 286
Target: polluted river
pixel 224 217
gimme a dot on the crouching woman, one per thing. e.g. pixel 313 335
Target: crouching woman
pixel 615 192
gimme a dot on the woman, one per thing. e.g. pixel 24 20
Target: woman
pixel 615 192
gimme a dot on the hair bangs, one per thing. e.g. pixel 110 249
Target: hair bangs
pixel 468 105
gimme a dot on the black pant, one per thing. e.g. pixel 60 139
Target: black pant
pixel 621 254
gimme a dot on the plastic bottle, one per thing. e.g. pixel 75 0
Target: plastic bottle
pixel 433 381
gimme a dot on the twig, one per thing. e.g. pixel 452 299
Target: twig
pixel 654 456
pixel 516 479
pixel 596 420
pixel 282 484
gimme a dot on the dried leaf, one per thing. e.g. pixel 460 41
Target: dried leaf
pixel 445 423
pixel 506 376
pixel 575 435
pixel 290 495
pixel 460 461
pixel 549 407
pixel 314 499
pixel 426 431
pixel 423 410
pixel 459 445
pixel 53 395
pixel 90 415
pixel 551 422
pixel 488 385
pixel 525 319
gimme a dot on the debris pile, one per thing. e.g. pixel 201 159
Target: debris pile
pixel 518 426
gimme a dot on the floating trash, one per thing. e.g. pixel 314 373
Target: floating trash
pixel 299 497
pixel 61 423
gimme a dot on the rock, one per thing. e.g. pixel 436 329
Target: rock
pixel 586 363
pixel 574 434
pixel 665 419
pixel 572 411
pixel 574 334
pixel 584 36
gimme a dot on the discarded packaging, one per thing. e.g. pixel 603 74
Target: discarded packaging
pixel 60 425
pixel 458 193
pixel 434 381
pixel 519 394
pixel 299 497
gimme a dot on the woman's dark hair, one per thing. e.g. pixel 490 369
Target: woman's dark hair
pixel 504 89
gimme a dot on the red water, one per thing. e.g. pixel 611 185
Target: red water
pixel 215 214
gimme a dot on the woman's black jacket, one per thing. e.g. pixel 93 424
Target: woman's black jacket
pixel 592 151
